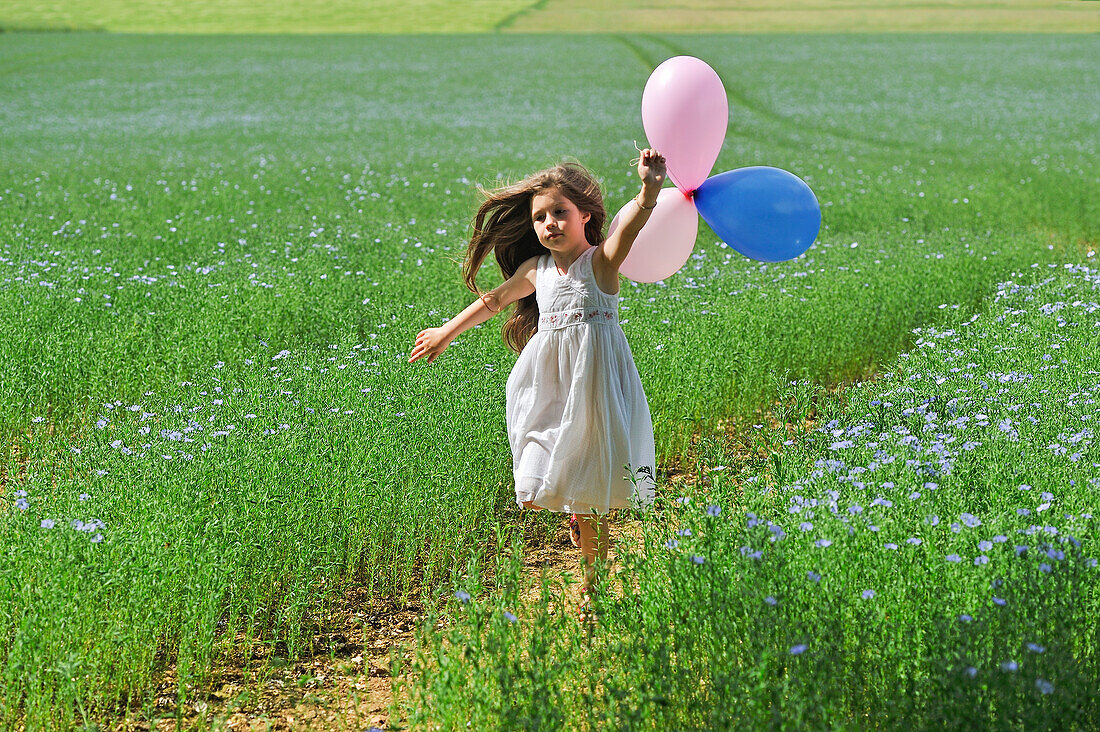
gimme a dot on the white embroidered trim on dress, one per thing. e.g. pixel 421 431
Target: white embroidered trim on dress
pixel 575 316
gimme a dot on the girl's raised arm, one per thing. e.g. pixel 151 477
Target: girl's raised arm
pixel 651 169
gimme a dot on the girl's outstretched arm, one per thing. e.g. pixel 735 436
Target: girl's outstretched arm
pixel 651 169
pixel 431 342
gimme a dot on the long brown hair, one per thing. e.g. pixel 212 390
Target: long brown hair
pixel 503 224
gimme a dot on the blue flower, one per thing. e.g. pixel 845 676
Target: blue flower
pixel 698 560
pixel 684 532
pixel 868 594
pixel 985 545
pixel 981 559
pixel 1009 666
pixel 965 618
pixel 672 543
pixel 713 510
pixel 813 575
pixel 1035 648
pixel 971 671
pixel 511 618
pixel 796 650
pixel 970 520
pixel 47 523
pixel 1044 567
pixel 823 543
pixel 998 601
pixel 463 595
pixel 954 558
pixel 1044 686
pixel 771 600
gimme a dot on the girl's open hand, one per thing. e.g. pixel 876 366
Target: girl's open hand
pixel 651 168
pixel 430 342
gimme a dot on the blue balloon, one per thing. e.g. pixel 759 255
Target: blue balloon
pixel 765 213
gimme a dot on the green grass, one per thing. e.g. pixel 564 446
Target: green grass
pixel 928 560
pixel 554 16
pixel 217 251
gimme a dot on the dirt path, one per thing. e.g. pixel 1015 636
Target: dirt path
pixel 344 684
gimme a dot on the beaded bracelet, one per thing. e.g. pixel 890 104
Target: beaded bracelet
pixel 644 208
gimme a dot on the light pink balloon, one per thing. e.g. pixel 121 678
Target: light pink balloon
pixel 685 113
pixel 666 240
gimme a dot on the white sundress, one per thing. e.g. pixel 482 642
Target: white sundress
pixel 576 411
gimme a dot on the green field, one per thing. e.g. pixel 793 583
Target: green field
pixel 217 252
pixel 555 16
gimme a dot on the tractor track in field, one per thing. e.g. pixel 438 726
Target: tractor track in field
pixel 739 98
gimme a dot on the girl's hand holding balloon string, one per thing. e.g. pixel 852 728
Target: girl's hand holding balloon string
pixel 651 169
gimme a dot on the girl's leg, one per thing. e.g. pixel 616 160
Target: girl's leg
pixel 595 540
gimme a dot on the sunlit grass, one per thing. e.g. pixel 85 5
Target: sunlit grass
pixel 241 16
pixel 216 254
pixel 809 16
pixel 932 562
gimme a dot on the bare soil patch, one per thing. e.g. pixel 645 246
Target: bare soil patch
pixel 343 681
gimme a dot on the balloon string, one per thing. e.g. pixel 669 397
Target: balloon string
pixel 638 159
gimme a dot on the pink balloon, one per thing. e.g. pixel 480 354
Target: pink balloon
pixel 666 240
pixel 684 113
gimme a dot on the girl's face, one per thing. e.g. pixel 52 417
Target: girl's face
pixel 558 222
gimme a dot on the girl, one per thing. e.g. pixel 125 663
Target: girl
pixel 578 420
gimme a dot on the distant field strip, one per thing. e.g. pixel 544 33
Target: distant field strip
pixel 816 16
pixel 242 16
pixel 557 16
